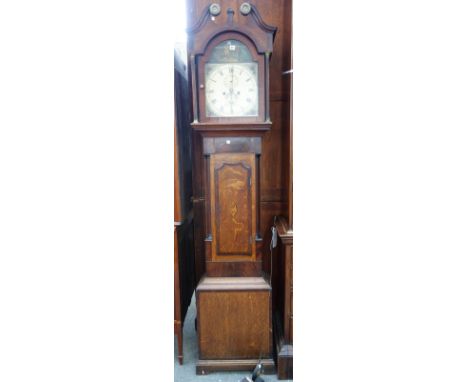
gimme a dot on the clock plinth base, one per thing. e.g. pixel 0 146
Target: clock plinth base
pixel 211 366
pixel 234 323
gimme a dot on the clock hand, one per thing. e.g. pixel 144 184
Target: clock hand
pixel 231 90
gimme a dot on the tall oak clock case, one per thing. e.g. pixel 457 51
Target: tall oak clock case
pixel 229 51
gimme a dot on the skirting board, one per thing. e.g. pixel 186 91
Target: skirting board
pixel 210 366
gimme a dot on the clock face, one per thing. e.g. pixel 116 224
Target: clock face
pixel 231 89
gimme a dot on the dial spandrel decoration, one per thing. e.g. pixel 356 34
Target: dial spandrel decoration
pixel 231 81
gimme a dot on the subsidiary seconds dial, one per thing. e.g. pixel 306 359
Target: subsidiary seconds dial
pixel 231 90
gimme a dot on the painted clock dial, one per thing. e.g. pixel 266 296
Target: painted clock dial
pixel 231 82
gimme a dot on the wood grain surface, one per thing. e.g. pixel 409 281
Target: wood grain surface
pixel 234 320
pixel 233 216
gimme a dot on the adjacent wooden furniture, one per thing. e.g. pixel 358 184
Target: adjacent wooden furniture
pixel 283 316
pixel 184 261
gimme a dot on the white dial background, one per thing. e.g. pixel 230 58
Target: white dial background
pixel 231 90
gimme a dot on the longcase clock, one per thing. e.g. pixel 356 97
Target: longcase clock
pixel 230 49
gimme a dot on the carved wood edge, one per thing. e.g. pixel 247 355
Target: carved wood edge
pixel 254 14
pixel 262 24
pixel 254 127
pixel 207 284
pixel 226 144
pixel 284 232
pixel 200 22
